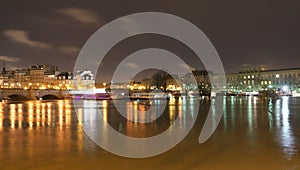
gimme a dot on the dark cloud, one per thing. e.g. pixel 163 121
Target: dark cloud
pixel 81 15
pixel 22 37
pixel 9 59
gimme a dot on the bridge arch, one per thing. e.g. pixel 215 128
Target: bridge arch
pixel 17 97
pixel 50 97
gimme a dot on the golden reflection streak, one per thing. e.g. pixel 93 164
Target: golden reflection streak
pixel 12 108
pixel 171 112
pixel 30 114
pixel 20 114
pixel 63 136
pixel 60 111
pixel 68 113
pixel 180 111
pixel 141 112
pixel 80 115
pixel 49 107
pixel 129 112
pixel 1 116
pixel 80 133
pixel 38 116
pixel 105 110
pixel 43 114
pixel 135 110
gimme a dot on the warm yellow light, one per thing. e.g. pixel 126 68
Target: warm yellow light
pixel 43 88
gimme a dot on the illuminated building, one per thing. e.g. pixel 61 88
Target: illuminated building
pixel 251 80
pixel 84 80
pixel 45 77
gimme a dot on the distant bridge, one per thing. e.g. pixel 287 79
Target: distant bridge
pixel 32 94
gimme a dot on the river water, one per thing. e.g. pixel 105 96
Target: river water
pixel 254 133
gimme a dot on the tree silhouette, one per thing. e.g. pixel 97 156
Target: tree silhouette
pixel 159 79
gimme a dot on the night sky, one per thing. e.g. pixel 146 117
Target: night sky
pixel 245 33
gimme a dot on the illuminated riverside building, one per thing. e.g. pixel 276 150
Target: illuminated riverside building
pixel 45 77
pixel 258 79
pixel 84 80
pixel 246 80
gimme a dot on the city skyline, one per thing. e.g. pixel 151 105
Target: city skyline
pixel 199 84
pixel 250 33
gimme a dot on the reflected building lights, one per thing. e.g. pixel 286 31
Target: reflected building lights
pixel 104 103
pixel 213 112
pixel 60 112
pixel 37 114
pixel 49 105
pixel 1 116
pixel 135 112
pixel 232 111
pixel 68 114
pixel 171 111
pixel 30 114
pixel 180 110
pixel 20 115
pixel 192 107
pixel 80 115
pixel 12 108
pixel 287 139
pixel 184 112
pixel 250 114
pixel 129 112
pixel 43 112
pixel 225 116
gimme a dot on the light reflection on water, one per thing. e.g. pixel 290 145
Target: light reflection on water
pixel 258 132
pixel 286 136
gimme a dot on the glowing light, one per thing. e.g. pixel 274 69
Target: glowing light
pixel 285 88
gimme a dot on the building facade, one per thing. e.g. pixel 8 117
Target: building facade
pixel 258 79
pixel 45 77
